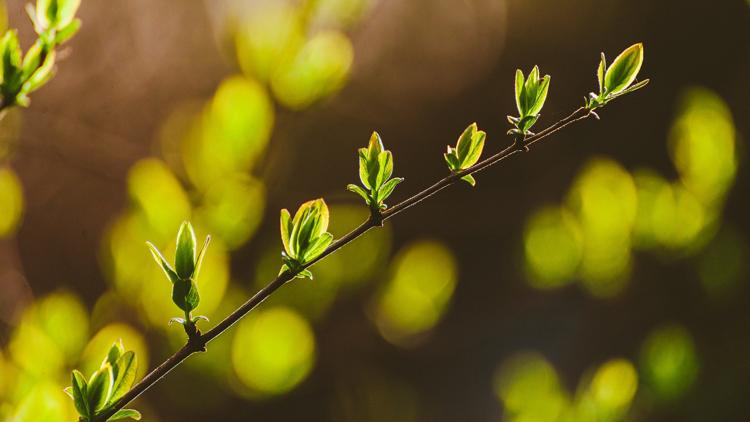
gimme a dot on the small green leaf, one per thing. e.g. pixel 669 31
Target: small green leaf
pixel 185 295
pixel 80 393
pixel 124 414
pixel 385 168
pixel 469 179
pixel 387 189
pixel 364 172
pixel 201 255
pixel 66 11
pixel 286 229
pixel 540 96
pixel 100 388
pixel 33 59
pixel 624 69
pixel 475 149
pixel 305 274
pixel 317 247
pixel 159 258
pixel 114 353
pixel 519 91
pixel 451 159
pixel 185 255
pixel 67 32
pixel 359 191
pixel 527 122
pixel 463 146
pixel 43 74
pixel 127 366
pixel 600 73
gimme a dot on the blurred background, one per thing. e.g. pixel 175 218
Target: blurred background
pixel 603 277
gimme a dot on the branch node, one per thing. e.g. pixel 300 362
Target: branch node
pixel 195 339
pixel 376 216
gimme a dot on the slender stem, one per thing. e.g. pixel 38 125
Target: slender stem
pixel 198 343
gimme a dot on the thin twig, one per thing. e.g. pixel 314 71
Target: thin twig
pixel 199 343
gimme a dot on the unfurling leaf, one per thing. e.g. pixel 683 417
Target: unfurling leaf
pixel 305 236
pixel 375 171
pixel 106 385
pixel 531 94
pixel 624 69
pixel 467 152
pixel 80 393
pixel 617 79
pixel 185 255
pixel 125 414
pixel 100 388
pixel 187 265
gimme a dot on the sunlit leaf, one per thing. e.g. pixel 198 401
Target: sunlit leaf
pixel 624 69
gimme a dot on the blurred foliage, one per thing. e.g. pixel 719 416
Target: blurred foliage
pixel 669 362
pixel 11 198
pixel 343 272
pixel 273 351
pixel 300 52
pixel 293 54
pixel 423 277
pixel 530 389
pixel 610 212
pixel 48 340
pixel 723 265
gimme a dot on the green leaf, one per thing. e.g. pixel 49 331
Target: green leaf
pixel 519 91
pixel 11 62
pixel 310 221
pixel 124 414
pixel 33 59
pixel 67 32
pixel 364 172
pixel 387 189
pixel 318 246
pixel 529 91
pixel 600 73
pixel 185 295
pixel 385 168
pixel 286 229
pixel 201 255
pixel 527 122
pixel 305 274
pixel 159 258
pixel 100 388
pixel 66 11
pixel 80 393
pixel 475 149
pixel 624 69
pixel 540 96
pixel 43 74
pixel 127 366
pixel 451 159
pixel 469 179
pixel 42 15
pixel 114 353
pixel 375 146
pixel 184 260
pixel 359 191
pixel 463 146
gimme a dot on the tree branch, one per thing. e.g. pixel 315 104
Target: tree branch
pixel 198 343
